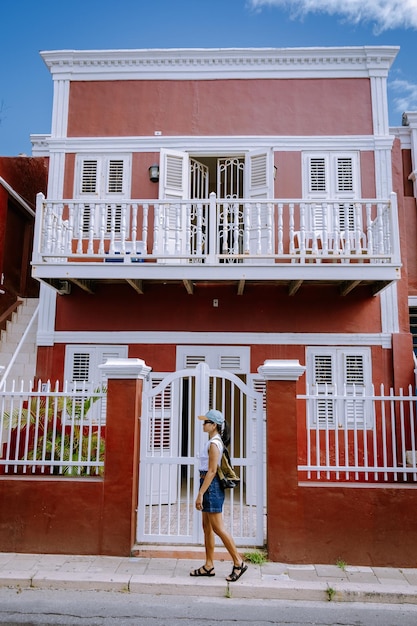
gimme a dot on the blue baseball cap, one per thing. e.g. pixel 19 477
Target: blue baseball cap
pixel 214 416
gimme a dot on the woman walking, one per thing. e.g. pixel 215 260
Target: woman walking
pixel 210 497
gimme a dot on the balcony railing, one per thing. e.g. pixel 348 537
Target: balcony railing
pixel 217 232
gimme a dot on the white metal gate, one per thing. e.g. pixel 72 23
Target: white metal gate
pixel 171 438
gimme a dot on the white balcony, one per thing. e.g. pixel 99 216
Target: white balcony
pixel 344 244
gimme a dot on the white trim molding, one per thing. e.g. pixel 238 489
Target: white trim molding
pixel 216 338
pixel 209 145
pixel 206 63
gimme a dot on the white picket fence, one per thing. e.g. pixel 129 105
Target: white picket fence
pixel 51 431
pixel 352 435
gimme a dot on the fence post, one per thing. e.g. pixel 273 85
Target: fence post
pixel 121 468
pixel 281 449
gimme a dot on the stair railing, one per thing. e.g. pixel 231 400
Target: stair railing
pixel 18 348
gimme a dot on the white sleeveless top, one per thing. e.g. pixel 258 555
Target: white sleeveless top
pixel 204 454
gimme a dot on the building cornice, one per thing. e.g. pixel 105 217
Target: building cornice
pixel 44 145
pixel 153 64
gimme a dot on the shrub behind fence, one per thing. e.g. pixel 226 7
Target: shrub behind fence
pixel 48 431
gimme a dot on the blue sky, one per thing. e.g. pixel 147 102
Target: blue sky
pixel 28 26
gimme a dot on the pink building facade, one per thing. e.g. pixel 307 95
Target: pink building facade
pixel 274 227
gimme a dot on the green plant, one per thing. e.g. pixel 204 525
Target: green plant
pixel 228 592
pixel 342 564
pixel 61 429
pixel 330 593
pixel 257 557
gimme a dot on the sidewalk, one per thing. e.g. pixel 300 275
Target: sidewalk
pixel 171 576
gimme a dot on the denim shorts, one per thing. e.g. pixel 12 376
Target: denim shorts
pixel 214 496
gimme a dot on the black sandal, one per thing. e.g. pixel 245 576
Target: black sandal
pixel 206 572
pixel 237 572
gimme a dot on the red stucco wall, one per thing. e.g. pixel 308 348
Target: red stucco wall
pixel 85 515
pixel 365 525
pixel 220 107
pixel 260 308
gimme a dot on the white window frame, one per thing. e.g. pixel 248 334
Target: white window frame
pixel 330 163
pixel 331 191
pixel 97 355
pixel 114 200
pixel 340 413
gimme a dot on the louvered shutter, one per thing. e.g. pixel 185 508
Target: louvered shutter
pixel 230 362
pixel 344 174
pixel 318 187
pixel 115 176
pixel 160 420
pixel 174 184
pixel 89 176
pixel 88 186
pixel 323 385
pixel 81 369
pixel 193 360
pixel 354 374
pixel 345 189
pixel 259 183
pixel 317 176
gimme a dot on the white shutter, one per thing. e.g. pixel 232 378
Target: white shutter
pixel 160 425
pixel 81 368
pixel 317 183
pixel 259 177
pixel 345 188
pixel 173 174
pixel 115 176
pixel 192 360
pixel 354 374
pixel 317 187
pixel 89 176
pixel 344 174
pixel 323 377
pixel 259 183
pixel 173 184
pixel 230 362
pixel 345 371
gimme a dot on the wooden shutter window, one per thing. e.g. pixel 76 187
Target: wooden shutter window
pixel 89 176
pixel 173 171
pixel 317 176
pixel 344 174
pixel 323 379
pixel 115 176
pixel 258 175
pixel 81 366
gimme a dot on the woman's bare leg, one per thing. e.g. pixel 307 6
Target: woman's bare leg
pixel 209 540
pixel 217 527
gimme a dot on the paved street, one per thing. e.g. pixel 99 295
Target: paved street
pixel 94 608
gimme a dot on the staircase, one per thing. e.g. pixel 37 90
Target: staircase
pixel 24 366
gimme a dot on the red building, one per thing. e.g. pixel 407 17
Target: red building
pixel 21 178
pixel 228 207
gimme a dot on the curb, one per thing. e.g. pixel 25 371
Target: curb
pixel 249 589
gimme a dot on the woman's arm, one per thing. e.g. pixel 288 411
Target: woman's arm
pixel 214 454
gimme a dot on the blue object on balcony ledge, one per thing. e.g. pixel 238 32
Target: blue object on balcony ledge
pixel 117 256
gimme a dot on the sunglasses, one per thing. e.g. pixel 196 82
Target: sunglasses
pixel 207 422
